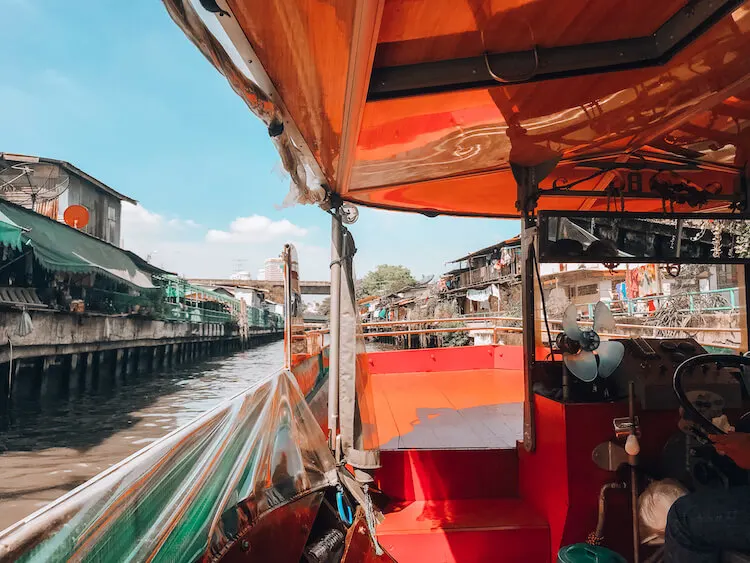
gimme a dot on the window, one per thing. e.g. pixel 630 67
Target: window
pixel 111 232
pixel 589 289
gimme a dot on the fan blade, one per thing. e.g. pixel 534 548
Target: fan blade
pixel 603 318
pixel 570 323
pixel 610 355
pixel 582 365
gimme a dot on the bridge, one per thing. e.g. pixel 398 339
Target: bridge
pixel 275 288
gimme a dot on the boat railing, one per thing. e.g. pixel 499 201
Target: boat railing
pixel 179 494
pixel 494 326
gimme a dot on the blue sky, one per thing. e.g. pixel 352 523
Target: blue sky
pixel 115 88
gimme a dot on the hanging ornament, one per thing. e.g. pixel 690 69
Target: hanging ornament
pixel 672 270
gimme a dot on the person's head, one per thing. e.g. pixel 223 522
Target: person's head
pixel 567 247
pixel 604 249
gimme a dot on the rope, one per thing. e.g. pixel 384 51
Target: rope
pixel 370 518
pixel 10 368
pixel 16 259
pixel 544 305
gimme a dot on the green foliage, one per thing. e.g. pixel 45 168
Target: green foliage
pixel 383 280
pixel 453 339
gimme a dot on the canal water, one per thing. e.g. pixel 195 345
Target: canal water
pixel 47 450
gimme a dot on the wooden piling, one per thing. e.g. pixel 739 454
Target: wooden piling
pixel 72 374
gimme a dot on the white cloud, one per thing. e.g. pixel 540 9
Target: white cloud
pixel 185 247
pixel 256 228
pixel 136 217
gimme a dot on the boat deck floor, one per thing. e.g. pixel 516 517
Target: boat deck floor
pixel 469 409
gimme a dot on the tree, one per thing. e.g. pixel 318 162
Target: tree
pixel 385 279
pixel 324 307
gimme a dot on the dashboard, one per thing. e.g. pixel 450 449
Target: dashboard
pixel 651 363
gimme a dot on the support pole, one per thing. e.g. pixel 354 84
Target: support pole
pixel 529 330
pixel 288 319
pixel 633 461
pixel 527 180
pixel 337 242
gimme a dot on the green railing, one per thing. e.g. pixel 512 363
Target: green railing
pixel 727 299
pixel 147 303
pixel 184 302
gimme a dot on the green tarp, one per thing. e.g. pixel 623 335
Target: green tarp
pixel 60 248
pixel 10 233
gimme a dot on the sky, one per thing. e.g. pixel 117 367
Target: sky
pixel 116 89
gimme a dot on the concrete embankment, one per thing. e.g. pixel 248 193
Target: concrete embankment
pixel 65 354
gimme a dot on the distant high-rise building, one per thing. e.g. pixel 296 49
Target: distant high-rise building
pixel 274 269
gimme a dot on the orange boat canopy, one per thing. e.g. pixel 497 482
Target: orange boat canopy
pixel 423 105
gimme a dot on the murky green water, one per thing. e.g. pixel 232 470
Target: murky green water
pixel 47 450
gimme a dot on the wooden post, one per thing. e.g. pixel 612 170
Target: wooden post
pixel 119 369
pixel 47 385
pixel 73 373
pixel 158 364
pixel 96 359
pixel 86 368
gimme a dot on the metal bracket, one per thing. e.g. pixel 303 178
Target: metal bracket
pixel 623 426
pixel 483 71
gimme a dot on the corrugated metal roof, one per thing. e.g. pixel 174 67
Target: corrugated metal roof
pixel 12 157
pixel 515 241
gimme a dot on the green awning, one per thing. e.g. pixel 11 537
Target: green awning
pixel 10 233
pixel 60 248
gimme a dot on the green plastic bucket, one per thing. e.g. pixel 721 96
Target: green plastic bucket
pixel 585 553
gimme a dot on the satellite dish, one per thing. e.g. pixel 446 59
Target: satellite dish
pixel 32 184
pixel 76 216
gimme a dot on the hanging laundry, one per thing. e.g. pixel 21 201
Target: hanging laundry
pixel 632 282
pixel 648 280
pixel 479 295
pixel 641 281
pixel 621 290
pixel 506 257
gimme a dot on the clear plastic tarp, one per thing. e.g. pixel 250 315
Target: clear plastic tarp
pixel 192 493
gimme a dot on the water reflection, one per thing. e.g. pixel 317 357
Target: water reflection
pixel 46 451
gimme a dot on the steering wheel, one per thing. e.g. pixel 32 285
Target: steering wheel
pixel 690 411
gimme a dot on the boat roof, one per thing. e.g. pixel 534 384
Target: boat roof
pixel 391 104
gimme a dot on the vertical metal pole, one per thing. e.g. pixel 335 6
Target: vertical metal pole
pixel 288 333
pixel 337 241
pixel 633 460
pixel 529 328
